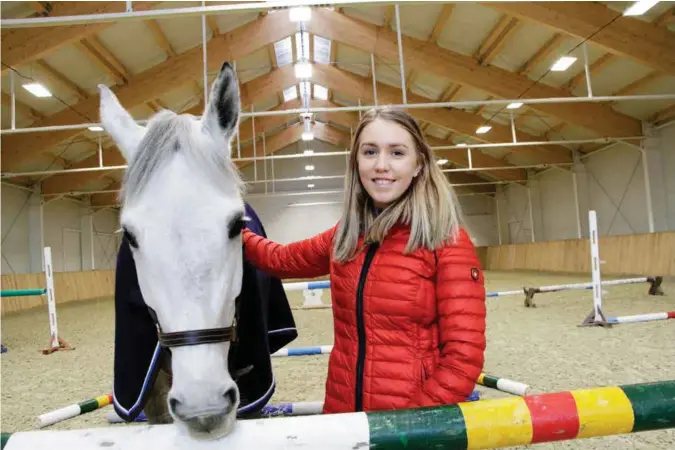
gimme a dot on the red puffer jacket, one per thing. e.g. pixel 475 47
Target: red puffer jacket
pixel 409 329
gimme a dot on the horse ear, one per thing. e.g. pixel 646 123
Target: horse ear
pixel 126 133
pixel 221 116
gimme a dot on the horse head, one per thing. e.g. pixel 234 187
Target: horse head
pixel 182 214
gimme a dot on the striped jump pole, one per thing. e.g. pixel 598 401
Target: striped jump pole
pixel 499 423
pixel 642 317
pixel 73 410
pixel 303 351
pixel 503 384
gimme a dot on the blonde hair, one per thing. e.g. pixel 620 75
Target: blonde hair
pixel 429 205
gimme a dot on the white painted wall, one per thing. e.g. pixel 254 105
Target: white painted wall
pixel 14 245
pixel 611 182
pixel 62 231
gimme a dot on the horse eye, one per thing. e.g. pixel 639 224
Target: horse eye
pixel 131 239
pixel 235 228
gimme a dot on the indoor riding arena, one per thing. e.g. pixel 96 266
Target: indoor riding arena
pixel 553 121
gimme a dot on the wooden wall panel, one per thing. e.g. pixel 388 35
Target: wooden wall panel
pixel 634 254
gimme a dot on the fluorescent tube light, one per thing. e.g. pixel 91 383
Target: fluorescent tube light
pixel 37 90
pixel 563 63
pixel 640 7
pixel 300 14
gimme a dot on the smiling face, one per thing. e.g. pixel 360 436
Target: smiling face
pixel 387 161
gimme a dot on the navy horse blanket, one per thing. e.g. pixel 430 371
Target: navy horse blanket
pixel 264 325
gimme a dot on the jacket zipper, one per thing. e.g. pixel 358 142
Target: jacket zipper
pixel 360 328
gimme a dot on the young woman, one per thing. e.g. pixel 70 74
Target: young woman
pixel 407 290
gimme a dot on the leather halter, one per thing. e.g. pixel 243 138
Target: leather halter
pixel 194 337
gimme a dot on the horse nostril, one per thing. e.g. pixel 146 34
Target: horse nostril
pixel 173 404
pixel 231 398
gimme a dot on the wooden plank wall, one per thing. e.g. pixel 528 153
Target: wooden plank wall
pixel 625 255
pixel 68 287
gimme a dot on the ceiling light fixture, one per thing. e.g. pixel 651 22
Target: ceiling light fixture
pixel 303 70
pixel 37 90
pixel 640 7
pixel 300 14
pixel 563 63
pixel 484 129
pixel 515 105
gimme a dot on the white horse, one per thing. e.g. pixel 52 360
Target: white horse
pixel 182 214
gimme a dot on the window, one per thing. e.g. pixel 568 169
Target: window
pixel 320 92
pixel 290 93
pixel 321 50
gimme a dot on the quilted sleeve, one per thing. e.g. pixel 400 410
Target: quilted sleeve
pixel 460 296
pixel 308 258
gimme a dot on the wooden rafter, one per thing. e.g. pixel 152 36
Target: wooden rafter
pixel 545 50
pixel 455 119
pixel 665 19
pixel 69 182
pixel 21 108
pixel 598 118
pixel 442 19
pixel 664 115
pixel 104 58
pixel 150 84
pixel 496 39
pixel 640 83
pixel 596 67
pixel 23 45
pixel 62 80
pixel 627 36
pixel 160 37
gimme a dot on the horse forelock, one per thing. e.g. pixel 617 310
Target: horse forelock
pixel 169 134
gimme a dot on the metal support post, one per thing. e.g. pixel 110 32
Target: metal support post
pixel 400 53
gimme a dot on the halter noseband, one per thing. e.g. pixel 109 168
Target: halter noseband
pixel 194 337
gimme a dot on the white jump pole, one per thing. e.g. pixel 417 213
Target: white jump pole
pixel 596 317
pixel 642 317
pixel 55 342
pixel 51 300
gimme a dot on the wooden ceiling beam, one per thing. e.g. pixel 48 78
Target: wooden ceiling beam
pixel 596 117
pixel 291 135
pixel 626 36
pixel 105 199
pixel 152 83
pixel 71 182
pixel 62 80
pixel 597 66
pixel 160 37
pixel 545 50
pixel 495 41
pixel 663 116
pixel 452 119
pixel 21 108
pixel 442 19
pixel 24 45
